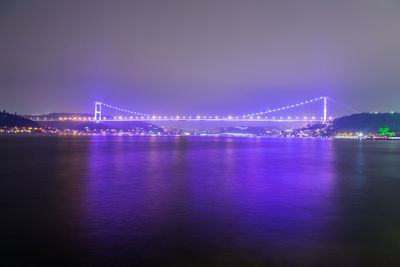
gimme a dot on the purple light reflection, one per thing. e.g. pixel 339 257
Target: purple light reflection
pixel 163 197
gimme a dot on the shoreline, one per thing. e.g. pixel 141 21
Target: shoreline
pixel 210 135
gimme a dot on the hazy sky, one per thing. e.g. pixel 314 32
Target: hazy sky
pixel 172 56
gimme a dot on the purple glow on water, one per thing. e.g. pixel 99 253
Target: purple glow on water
pixel 141 200
pixel 224 194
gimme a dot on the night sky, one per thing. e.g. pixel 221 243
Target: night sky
pixel 189 56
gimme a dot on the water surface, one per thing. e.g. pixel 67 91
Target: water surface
pixel 185 201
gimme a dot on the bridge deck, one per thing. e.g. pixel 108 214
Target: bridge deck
pixel 187 119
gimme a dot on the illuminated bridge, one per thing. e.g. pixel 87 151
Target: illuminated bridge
pixel 280 114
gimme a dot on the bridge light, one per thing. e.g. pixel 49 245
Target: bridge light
pixel 120 117
pixel 305 118
pixel 198 117
pixel 313 118
pixel 216 117
pixel 330 118
pixel 230 117
pixel 289 118
pixel 258 117
pixel 177 117
pixel 60 119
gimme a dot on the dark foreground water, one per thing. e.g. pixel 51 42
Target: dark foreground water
pixel 202 201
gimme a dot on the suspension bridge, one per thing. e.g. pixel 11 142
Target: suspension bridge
pixel 269 115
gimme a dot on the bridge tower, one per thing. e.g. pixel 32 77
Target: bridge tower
pixel 325 109
pixel 97 111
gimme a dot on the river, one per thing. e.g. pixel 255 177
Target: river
pixel 199 201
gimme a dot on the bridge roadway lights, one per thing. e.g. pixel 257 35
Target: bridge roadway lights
pixel 211 120
pixel 189 120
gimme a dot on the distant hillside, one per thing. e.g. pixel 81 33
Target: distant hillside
pixel 242 130
pixel 368 122
pixel 143 126
pixel 92 126
pixel 9 120
pixel 56 116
